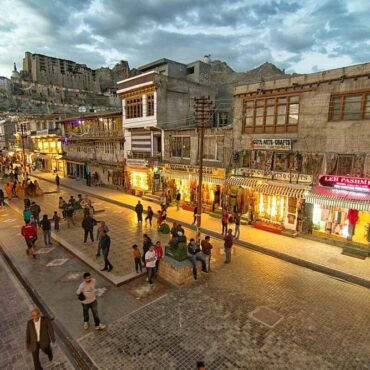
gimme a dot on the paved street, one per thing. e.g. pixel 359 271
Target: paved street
pixel 258 312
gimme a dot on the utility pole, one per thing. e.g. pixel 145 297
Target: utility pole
pixel 24 155
pixel 203 111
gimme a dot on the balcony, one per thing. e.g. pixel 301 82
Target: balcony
pixel 142 155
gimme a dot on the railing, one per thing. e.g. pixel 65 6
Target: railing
pixel 143 155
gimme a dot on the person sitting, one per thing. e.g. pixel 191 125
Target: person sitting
pixel 174 229
pixel 174 242
pixel 181 237
pixel 194 255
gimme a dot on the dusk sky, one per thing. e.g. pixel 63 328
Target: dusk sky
pixel 300 36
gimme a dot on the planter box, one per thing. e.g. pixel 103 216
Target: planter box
pixel 178 254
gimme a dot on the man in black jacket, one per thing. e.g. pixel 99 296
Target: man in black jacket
pixel 88 224
pixel 105 245
pixel 35 210
pixel 39 334
pixel 147 243
pixel 139 211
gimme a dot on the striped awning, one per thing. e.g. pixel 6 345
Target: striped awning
pixel 339 198
pixel 284 190
pixel 241 181
pixel 192 177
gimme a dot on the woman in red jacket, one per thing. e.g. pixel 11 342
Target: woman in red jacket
pixel 158 249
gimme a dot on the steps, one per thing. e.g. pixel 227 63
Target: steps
pixel 155 198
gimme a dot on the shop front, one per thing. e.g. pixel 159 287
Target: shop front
pixel 49 162
pixel 108 174
pixel 340 208
pixel 138 176
pixel 76 170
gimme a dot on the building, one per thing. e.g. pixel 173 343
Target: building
pixel 94 143
pixel 6 85
pixel 305 130
pixel 161 97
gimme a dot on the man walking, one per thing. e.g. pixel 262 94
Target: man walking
pixel 39 334
pixel 86 294
pixel 105 245
pixel 237 226
pixel 139 211
pixel 224 220
pixel 35 210
pixel 69 214
pixel 46 229
pixel 207 250
pixel 150 260
pixel 194 255
pixel 29 233
pixel 178 198
pixel 57 182
pixel 228 243
pixel 99 234
pixel 88 224
pixel 195 212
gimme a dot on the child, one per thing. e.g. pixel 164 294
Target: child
pixel 137 258
pixel 158 249
pixel 56 219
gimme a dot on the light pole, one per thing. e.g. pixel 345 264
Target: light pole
pixel 23 151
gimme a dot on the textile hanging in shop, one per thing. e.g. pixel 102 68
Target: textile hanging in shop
pixel 352 216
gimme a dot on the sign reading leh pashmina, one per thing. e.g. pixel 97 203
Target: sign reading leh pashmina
pixel 345 182
pixel 272 144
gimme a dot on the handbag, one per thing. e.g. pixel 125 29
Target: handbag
pixel 81 296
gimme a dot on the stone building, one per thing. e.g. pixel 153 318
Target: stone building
pixel 292 132
pixel 94 143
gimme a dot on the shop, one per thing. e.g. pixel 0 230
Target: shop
pixel 138 176
pixel 76 170
pixel 184 178
pixel 340 208
pixel 49 162
pixel 108 174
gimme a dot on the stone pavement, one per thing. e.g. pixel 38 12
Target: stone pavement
pixel 16 309
pixel 257 313
pixel 324 257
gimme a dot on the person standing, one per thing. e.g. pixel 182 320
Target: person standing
pixel 149 216
pixel 86 294
pixel 56 220
pixel 228 243
pixel 147 243
pixel 150 260
pixel 35 209
pixel 195 212
pixel 194 255
pixel 2 198
pixel 178 199
pixel 69 214
pixel 237 226
pixel 99 234
pixel 88 224
pixel 57 182
pixel 139 211
pixel 27 214
pixel 29 233
pixel 158 249
pixel 39 335
pixel 137 258
pixel 207 250
pixel 105 246
pixel 46 229
pixel 225 221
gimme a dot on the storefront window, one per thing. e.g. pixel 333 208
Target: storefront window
pixel 344 165
pixel 260 159
pixel 247 159
pixel 139 180
pixel 180 146
pixel 283 161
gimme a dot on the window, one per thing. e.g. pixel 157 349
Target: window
pixel 247 159
pixel 211 151
pixel 283 161
pixel 275 114
pixel 349 107
pixel 344 165
pixel 223 118
pixel 180 146
pixel 150 105
pixel 134 108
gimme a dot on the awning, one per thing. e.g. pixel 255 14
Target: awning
pixel 192 177
pixel 284 190
pixel 241 181
pixel 174 176
pixel 339 198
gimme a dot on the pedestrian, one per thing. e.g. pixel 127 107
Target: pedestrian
pixel 29 233
pixel 105 246
pixel 57 182
pixel 46 229
pixel 225 221
pixel 207 250
pixel 69 214
pixel 39 335
pixel 147 243
pixel 88 224
pixel 168 198
pixel 174 229
pixel 201 365
pixel 158 249
pixel 195 212
pixel 228 243
pixel 150 260
pixel 137 258
pixel 139 211
pixel 237 226
pixel 86 294
pixel 164 213
pixel 61 203
pixel 194 255
pixel 88 179
pixel 99 234
pixel 56 220
pixel 149 216
pixel 159 219
pixel 2 198
pixel 27 214
pixel 36 210
pixel 178 199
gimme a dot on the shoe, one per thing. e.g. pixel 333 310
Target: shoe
pixel 100 327
pixel 195 277
pixel 104 269
pixel 205 271
pixel 151 286
pixel 50 356
pixel 86 325
pixel 98 255
pixel 34 256
pixel 110 269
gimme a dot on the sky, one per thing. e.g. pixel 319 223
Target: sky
pixel 296 35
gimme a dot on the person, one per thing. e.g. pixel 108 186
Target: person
pixel 150 260
pixel 225 221
pixel 105 246
pixel 31 189
pixel 195 212
pixel 158 249
pixel 164 213
pixel 39 335
pixel 137 258
pixel 237 226
pixel 56 220
pixel 159 219
pixel 201 365
pixel 88 224
pixel 228 243
pixel 35 210
pixel 149 215
pixel 181 237
pixel 180 229
pixel 99 234
pixel 87 204
pixel 57 182
pixel 174 230
pixel 69 214
pixel 207 250
pixel 194 255
pixel 61 203
pixel 38 190
pixel 9 190
pixel 147 243
pixel 72 200
pixel 46 229
pixel 88 179
pixel 29 233
pixel 88 301
pixel 168 198
pixel 178 199
pixel 19 190
pixel 139 211
pixel 27 214
pixel 1 198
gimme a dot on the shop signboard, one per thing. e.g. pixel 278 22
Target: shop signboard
pixel 272 144
pixel 136 162
pixel 345 182
pixel 296 178
pixel 217 172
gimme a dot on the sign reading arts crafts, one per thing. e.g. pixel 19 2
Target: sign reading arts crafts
pixel 345 182
pixel 272 144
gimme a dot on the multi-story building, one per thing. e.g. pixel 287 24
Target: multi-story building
pixel 94 143
pixel 299 131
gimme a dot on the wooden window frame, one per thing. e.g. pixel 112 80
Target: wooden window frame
pixel 179 139
pixel 150 105
pixel 134 107
pixel 364 96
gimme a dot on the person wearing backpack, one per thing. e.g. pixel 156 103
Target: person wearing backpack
pixel 46 229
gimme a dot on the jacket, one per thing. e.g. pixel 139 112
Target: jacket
pixel 228 241
pixel 29 231
pixel 206 247
pixel 139 208
pixel 105 242
pixel 88 223
pixel 46 334
pixel 35 209
pixel 45 225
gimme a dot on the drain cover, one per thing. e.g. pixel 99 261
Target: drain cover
pixel 266 316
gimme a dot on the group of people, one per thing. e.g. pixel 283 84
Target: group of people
pixel 20 189
pixel 73 206
pixel 161 214
pixel 231 217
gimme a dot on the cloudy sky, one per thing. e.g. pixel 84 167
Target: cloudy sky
pixel 299 35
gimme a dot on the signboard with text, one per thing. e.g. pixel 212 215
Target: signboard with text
pixel 220 172
pixel 272 144
pixel 345 182
pixel 292 177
